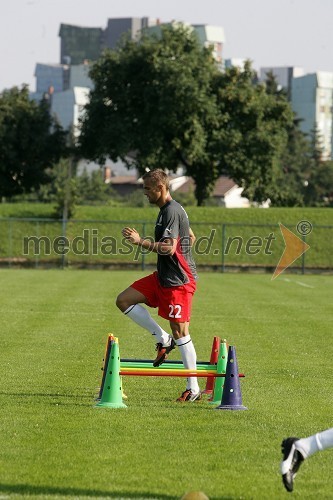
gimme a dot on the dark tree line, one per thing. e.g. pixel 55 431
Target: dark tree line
pixel 31 142
pixel 163 102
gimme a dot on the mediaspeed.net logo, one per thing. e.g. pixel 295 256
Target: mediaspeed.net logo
pixel 295 247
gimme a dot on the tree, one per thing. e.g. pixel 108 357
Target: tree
pixel 153 98
pixel 295 161
pixel 65 190
pixel 92 188
pixel 252 131
pixel 30 142
pixel 318 188
pixel 162 102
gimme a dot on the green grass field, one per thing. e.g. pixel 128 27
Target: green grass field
pixel 55 444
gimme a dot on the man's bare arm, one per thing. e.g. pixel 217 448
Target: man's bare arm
pixel 192 237
pixel 165 247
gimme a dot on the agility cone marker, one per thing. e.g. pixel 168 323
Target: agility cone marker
pixel 221 368
pixel 213 360
pixel 109 342
pixel 232 396
pixel 112 391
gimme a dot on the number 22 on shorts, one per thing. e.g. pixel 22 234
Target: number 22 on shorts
pixel 175 311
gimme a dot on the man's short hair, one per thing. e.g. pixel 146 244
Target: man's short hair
pixel 158 176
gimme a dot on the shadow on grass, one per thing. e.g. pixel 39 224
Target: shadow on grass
pixel 89 400
pixel 46 395
pixel 27 489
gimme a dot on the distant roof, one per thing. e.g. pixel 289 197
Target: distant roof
pixel 69 28
pixel 124 179
pixel 222 186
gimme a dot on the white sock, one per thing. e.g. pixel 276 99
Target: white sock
pixel 318 442
pixel 189 357
pixel 141 317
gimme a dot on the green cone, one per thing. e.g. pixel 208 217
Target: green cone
pixel 112 391
pixel 221 368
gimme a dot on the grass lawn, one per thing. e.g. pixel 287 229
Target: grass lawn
pixel 55 444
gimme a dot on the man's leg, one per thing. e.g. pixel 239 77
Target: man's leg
pixel 184 342
pixel 318 442
pixel 129 302
pixel 296 450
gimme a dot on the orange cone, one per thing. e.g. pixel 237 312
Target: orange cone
pixel 213 361
pixel 109 342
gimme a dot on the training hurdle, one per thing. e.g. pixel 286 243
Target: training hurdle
pixel 207 371
pixel 159 372
pixel 145 363
pixel 110 393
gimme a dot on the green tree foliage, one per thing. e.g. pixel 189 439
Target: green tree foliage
pixel 163 102
pixel 295 162
pixel 92 188
pixel 153 99
pixel 30 142
pixel 318 188
pixel 64 189
pixel 304 179
pixel 252 133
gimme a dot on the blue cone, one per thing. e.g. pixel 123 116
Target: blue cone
pixel 232 395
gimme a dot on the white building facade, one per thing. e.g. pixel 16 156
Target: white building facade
pixel 311 98
pixel 68 107
pixel 312 101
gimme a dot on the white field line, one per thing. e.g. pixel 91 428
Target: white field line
pixel 304 284
pixel 298 283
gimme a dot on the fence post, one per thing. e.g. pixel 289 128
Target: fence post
pixel 223 245
pixel 64 231
pixel 10 249
pixel 143 266
pixel 303 255
pixel 36 256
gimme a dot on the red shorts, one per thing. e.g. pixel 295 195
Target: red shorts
pixel 174 303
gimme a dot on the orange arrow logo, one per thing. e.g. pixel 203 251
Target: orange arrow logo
pixel 294 248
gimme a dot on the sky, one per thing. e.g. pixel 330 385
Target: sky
pixel 269 32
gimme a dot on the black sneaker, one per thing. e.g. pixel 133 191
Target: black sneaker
pixel 162 352
pixel 291 462
pixel 189 396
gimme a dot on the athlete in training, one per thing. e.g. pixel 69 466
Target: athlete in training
pixel 172 286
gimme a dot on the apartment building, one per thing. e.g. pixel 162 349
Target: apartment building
pixel 312 100
pixel 79 43
pixel 51 75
